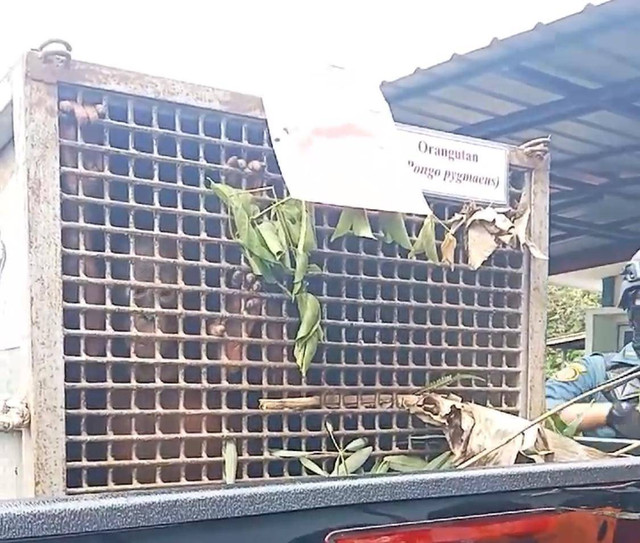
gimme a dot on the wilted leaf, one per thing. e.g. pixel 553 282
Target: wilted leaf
pixel 291 213
pixel 302 264
pixel 329 427
pixel 426 240
pixel 280 453
pixel 448 248
pixel 394 229
pixel 311 466
pixel 356 444
pixel 357 460
pixel 345 222
pixel 354 221
pixel 304 351
pixel 309 309
pixel 441 461
pixel 314 268
pixel 230 456
pixel 271 237
pixel 381 466
pixel 406 464
pixel 309 332
pixel 361 226
pixel 481 244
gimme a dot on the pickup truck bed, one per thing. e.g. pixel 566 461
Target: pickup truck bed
pixel 306 511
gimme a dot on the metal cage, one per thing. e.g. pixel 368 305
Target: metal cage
pixel 149 344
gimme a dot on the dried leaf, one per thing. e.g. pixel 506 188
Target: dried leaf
pixel 311 466
pixel 448 248
pixel 472 429
pixel 426 240
pixel 481 244
pixel 230 456
pixel 356 444
pixel 521 225
pixel 406 464
pixel 535 252
pixel 394 229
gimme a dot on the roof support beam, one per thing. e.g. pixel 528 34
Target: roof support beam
pixel 531 76
pixel 599 256
pixel 578 104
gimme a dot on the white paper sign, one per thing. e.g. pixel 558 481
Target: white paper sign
pixel 336 143
pixel 453 166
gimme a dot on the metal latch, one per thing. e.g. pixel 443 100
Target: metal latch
pixel 14 415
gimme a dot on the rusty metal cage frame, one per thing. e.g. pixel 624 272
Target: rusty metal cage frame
pixel 38 162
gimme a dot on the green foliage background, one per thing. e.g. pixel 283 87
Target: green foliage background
pixel 566 315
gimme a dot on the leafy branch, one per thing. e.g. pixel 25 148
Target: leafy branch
pixel 351 459
pixel 277 242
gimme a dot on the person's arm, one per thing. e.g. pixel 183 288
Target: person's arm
pixel 592 416
pixel 578 378
pixel 573 380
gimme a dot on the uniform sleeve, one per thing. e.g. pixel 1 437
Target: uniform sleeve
pixel 574 379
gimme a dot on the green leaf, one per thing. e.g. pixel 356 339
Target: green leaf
pixel 314 268
pixel 448 379
pixel 353 221
pixel 344 226
pixel 281 453
pixel 394 229
pixel 361 226
pixel 381 466
pixel 357 460
pixel 269 232
pixel 406 464
pixel 441 461
pixel 224 192
pixel 351 463
pixel 311 466
pixel 309 309
pixel 302 264
pixel 230 456
pixel 304 351
pixel 294 213
pixel 356 444
pixel 426 241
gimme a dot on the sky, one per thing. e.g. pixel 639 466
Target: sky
pixel 237 44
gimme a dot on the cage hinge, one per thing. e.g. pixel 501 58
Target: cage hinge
pixel 14 415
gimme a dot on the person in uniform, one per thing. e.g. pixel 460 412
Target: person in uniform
pixel 612 413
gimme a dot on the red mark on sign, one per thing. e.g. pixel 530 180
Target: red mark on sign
pixel 334 132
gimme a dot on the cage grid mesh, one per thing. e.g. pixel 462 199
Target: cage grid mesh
pixel 170 342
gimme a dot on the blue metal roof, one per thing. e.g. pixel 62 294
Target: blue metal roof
pixel 576 79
